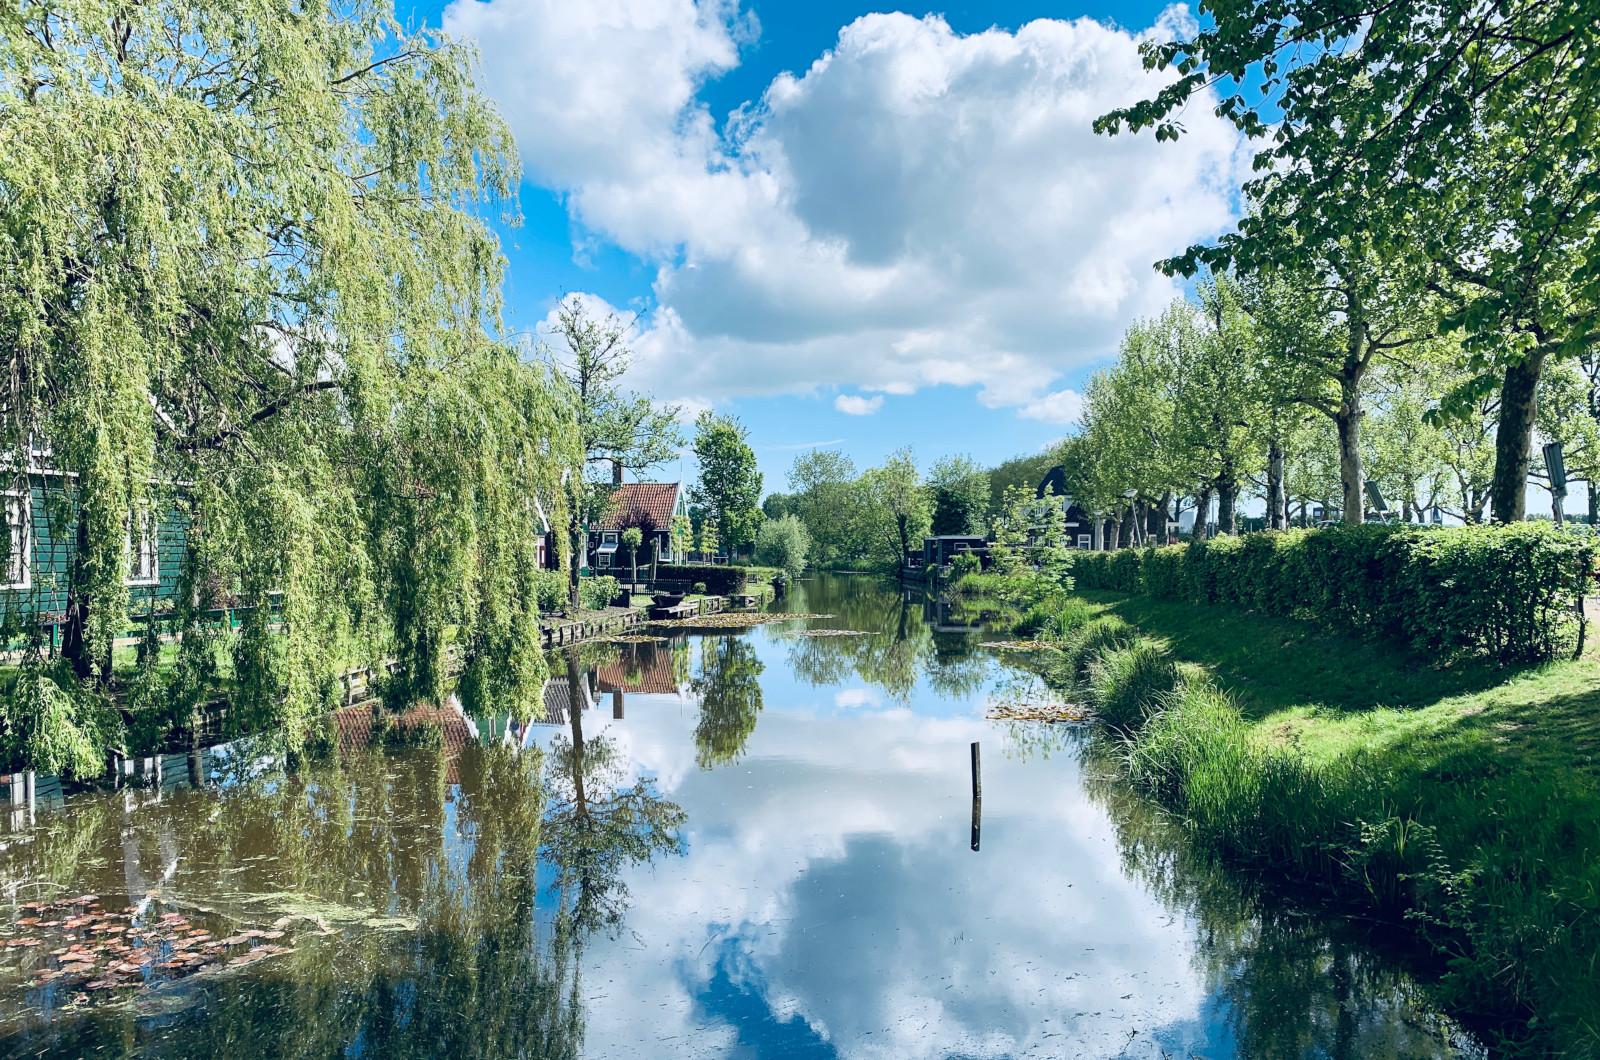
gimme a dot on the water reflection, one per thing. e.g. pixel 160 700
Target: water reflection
pixel 728 846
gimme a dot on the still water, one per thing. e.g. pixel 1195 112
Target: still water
pixel 750 844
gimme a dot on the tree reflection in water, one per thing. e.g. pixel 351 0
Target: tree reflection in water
pixel 595 825
pixel 729 689
pixel 412 881
pixel 902 650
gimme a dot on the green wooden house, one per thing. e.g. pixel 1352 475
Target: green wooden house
pixel 38 561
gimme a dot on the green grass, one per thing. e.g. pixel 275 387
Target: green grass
pixel 1461 802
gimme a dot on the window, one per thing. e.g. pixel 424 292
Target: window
pixel 19 555
pixel 608 537
pixel 603 559
pixel 1085 540
pixel 143 557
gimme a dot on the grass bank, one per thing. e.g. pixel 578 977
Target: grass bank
pixel 1461 802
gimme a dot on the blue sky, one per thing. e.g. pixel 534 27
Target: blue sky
pixel 923 230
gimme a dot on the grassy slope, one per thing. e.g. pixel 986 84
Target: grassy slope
pixel 1331 694
pixel 1502 766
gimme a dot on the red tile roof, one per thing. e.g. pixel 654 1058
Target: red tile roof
pixel 643 504
pixel 647 669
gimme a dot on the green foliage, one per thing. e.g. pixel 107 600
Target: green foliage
pixel 550 589
pixel 286 303
pixel 785 544
pixel 729 489
pixel 1128 684
pixel 964 566
pixel 1056 617
pixel 1509 592
pixel 729 689
pixel 959 490
pixel 53 723
pixel 598 593
pixel 721 580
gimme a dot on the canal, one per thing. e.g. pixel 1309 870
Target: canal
pixel 725 843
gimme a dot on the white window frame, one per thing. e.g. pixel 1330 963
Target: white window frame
pixel 608 537
pixel 148 544
pixel 603 560
pixel 1085 540
pixel 19 517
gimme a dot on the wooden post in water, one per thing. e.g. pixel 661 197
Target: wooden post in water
pixel 977 796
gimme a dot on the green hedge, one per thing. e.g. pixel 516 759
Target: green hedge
pixel 1510 592
pixel 719 580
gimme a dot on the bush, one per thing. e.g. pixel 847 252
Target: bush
pixel 698 587
pixel 784 543
pixel 1128 684
pixel 595 594
pixel 550 586
pixel 724 581
pixel 1510 592
pixel 965 564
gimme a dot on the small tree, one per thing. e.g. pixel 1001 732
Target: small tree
pixel 707 538
pixel 1009 550
pixel 783 543
pixel 683 536
pixel 632 538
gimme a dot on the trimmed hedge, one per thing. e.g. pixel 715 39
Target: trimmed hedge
pixel 1511 592
pixel 719 580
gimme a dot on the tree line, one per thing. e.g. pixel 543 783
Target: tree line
pixel 1411 294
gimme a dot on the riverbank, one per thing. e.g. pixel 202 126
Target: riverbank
pixel 1462 803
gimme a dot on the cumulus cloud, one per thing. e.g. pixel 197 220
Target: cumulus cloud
pixel 1060 406
pixel 917 207
pixel 857 404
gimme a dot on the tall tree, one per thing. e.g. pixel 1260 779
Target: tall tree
pixel 897 509
pixel 246 258
pixel 960 493
pixel 729 487
pixel 618 431
pixel 1460 132
pixel 823 495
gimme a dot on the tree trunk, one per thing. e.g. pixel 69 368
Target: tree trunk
pixel 80 604
pixel 1277 502
pixel 1594 503
pixel 1097 529
pixel 1159 517
pixel 1113 533
pixel 1227 506
pixel 1202 512
pixel 1513 443
pixel 1348 421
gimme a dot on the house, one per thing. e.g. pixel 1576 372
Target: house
pixel 37 566
pixel 1080 523
pixel 650 506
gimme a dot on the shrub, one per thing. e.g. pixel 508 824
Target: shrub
pixel 724 581
pixel 595 594
pixel 784 543
pixel 1128 684
pixel 964 564
pixel 1510 592
pixel 698 587
pixel 550 587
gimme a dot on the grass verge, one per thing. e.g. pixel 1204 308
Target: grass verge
pixel 1462 802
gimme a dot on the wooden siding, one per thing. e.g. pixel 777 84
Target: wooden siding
pixel 45 600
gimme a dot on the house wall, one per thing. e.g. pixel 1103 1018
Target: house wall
pixel 51 553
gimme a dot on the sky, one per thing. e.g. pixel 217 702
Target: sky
pixel 851 226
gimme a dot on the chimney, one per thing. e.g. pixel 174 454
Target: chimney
pixel 616 472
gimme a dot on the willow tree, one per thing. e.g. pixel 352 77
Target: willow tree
pixel 241 272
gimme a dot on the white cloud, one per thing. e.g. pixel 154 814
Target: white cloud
pixel 1061 406
pixel 857 405
pixel 918 207
pixel 855 698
